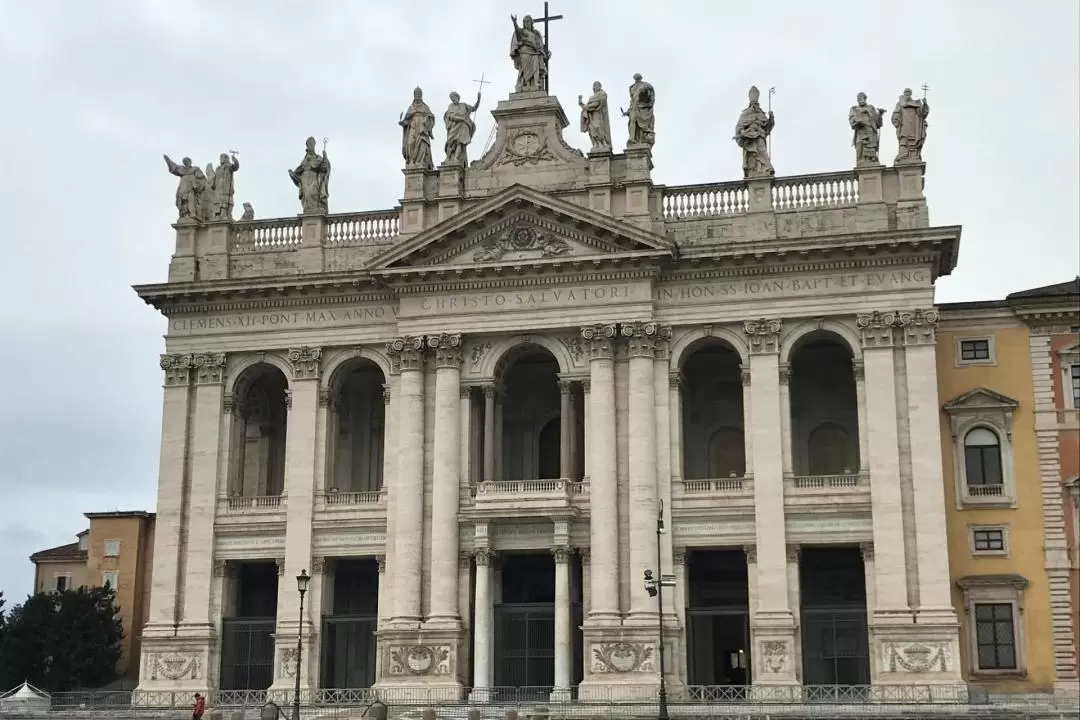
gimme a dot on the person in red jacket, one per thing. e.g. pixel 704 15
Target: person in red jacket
pixel 199 708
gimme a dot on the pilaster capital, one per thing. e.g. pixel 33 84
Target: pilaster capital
pixel 465 392
pixel 663 342
pixel 221 568
pixel 324 398
pixel 867 550
pixel 447 348
pixel 793 553
pixel 678 556
pixel 763 335
pixel 919 326
pixel 751 554
pixel 280 562
pixel 380 563
pixel 598 340
pixel 288 399
pixel 209 368
pixel 585 554
pixel 586 386
pixel 305 362
pixel 177 368
pixel 464 560
pixel 484 557
pixel 231 405
pixel 491 391
pixel 745 375
pixel 561 554
pixel 676 380
pixel 858 367
pixel 406 354
pixel 640 338
pixel 566 387
pixel 318 565
pixel 785 373
pixel 877 328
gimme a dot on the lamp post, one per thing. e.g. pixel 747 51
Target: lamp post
pixel 655 588
pixel 301 585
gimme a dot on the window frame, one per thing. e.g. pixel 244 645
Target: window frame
pixel 982 408
pixel 973 543
pixel 104 578
pixel 56 582
pixel 991 350
pixel 106 544
pixel 992 590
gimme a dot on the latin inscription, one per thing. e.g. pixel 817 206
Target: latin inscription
pixel 529 299
pixel 779 287
pixel 275 320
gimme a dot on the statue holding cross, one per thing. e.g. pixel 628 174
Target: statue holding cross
pixel 530 53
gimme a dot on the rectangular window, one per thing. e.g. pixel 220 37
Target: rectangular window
pixel 1074 378
pixel 983 466
pixel 110 579
pixel 112 548
pixel 61 583
pixel 988 540
pixel 974 350
pixel 995 636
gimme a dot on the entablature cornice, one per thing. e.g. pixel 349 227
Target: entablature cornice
pixel 783 266
pixel 405 278
pixel 502 283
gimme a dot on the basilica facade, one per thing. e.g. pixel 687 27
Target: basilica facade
pixel 467 419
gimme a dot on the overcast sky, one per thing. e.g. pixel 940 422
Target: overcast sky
pixel 94 92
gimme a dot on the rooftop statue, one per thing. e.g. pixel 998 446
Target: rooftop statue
pixel 640 119
pixel 312 177
pixel 909 119
pixel 223 186
pixel 865 121
pixel 594 119
pixel 416 124
pixel 459 129
pixel 752 135
pixel 530 56
pixel 192 190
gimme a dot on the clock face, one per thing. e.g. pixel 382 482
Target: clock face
pixel 527 144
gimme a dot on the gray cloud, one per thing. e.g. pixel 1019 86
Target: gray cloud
pixel 95 92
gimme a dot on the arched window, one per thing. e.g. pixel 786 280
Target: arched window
pixel 982 457
pixel 830 451
pixel 547 451
pixel 727 453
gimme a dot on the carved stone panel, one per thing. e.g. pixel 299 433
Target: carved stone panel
pixel 418 660
pixel 174 666
pixel 623 657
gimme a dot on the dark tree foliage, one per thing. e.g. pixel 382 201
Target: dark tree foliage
pixel 62 641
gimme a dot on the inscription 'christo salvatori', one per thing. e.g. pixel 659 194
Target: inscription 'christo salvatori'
pixel 526 299
pixel 289 318
pixel 850 282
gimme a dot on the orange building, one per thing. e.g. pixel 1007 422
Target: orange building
pixel 1009 383
pixel 116 550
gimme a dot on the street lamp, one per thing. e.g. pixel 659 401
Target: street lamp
pixel 655 587
pixel 301 584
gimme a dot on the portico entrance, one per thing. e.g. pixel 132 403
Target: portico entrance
pixel 718 618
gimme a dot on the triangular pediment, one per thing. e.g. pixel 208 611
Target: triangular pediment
pixel 980 399
pixel 521 226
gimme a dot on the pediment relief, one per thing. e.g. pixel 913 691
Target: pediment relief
pixel 979 400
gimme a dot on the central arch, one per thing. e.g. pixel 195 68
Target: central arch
pixel 714 444
pixel 356 427
pixel 531 422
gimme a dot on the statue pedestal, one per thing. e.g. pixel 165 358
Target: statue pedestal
pixel 414 219
pixel 599 182
pixel 182 265
pixel 451 190
pixel 312 231
pixel 215 263
pixel 760 191
pixel 638 182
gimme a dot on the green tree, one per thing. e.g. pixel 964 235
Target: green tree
pixel 62 641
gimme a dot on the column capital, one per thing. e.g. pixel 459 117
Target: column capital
pixel 663 342
pixel 751 554
pixel 585 554
pixel 406 353
pixel 318 565
pixel 491 390
pixel 676 380
pixel 763 335
pixel 280 562
pixel 232 406
pixel 447 347
pixel 566 387
pixel 877 328
pixel 209 368
pixel 867 550
pixel 598 339
pixel 678 556
pixel 465 391
pixel 640 338
pixel 464 561
pixel 561 554
pixel 484 557
pixel 793 553
pixel 919 326
pixel 177 368
pixel 386 393
pixel 305 362
pixel 746 376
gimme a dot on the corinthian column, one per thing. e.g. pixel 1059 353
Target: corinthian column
pixel 641 345
pixel 600 445
pixel 446 475
pixel 564 646
pixel 408 488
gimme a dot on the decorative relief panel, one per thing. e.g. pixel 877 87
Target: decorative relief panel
pixel 775 656
pixel 418 660
pixel 476 355
pixel 623 657
pixel 525 147
pixel 174 666
pixel 916 657
pixel 288 663
pixel 522 242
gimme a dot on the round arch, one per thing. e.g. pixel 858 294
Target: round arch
pixel 494 359
pixel 243 371
pixel 690 342
pixel 340 362
pixel 844 334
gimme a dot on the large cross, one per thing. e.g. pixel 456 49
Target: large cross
pixel 547 19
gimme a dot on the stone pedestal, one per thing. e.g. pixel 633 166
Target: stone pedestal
pixel 451 190
pixel 214 263
pixel 600 181
pixel 182 265
pixel 637 182
pixel 174 665
pixel 415 659
pixel 309 258
pixel 414 216
pixel 624 664
pixel 286 666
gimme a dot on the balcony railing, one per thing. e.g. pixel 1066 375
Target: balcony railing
pixel 368 497
pixel 507 488
pixel 242 503
pixel 824 190
pixel 997 490
pixel 714 485
pixel 825 482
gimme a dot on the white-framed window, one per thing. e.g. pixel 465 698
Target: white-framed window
pixel 84 541
pixel 975 350
pixel 981 426
pixel 988 539
pixel 112 548
pixel 61 582
pixel 994 610
pixel 1074 386
pixel 110 578
pixel 1069 358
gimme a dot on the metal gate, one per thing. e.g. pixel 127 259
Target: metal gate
pixel 525 646
pixel 708 664
pixel 348 651
pixel 836 650
pixel 247 653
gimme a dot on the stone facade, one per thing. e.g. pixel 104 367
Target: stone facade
pixel 536 250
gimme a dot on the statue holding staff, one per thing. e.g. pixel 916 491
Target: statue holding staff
pixel 416 124
pixel 312 178
pixel 459 129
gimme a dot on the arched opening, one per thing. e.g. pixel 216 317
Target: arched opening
pixel 982 458
pixel 824 407
pixel 260 416
pixel 356 428
pixel 530 409
pixel 713 441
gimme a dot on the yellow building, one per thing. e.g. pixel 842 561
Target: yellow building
pixel 117 549
pixel 994 497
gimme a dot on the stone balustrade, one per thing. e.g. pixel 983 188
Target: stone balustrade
pixel 818 482
pixel 372 497
pixel 713 485
pixel 243 503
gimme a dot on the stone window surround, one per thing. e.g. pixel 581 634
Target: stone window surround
pixel 1072 491
pixel 998 419
pixel 1068 357
pixel 979 589
pixel 961 339
pixel 110 577
pixel 56 581
pixel 111 548
pixel 988 553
